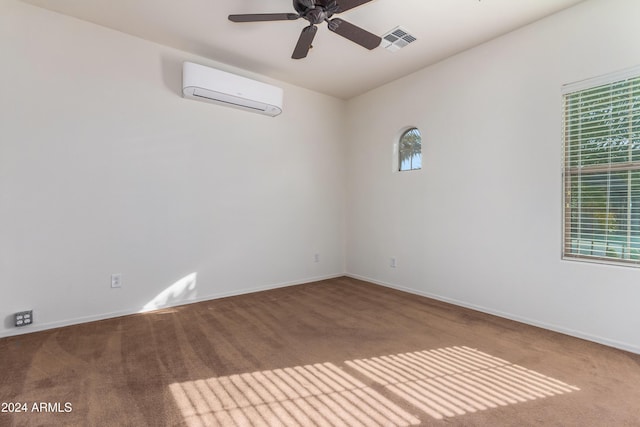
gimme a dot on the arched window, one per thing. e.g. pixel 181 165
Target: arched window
pixel 410 150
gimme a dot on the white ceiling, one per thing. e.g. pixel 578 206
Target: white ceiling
pixel 335 66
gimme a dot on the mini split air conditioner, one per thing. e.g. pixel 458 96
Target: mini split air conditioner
pixel 222 88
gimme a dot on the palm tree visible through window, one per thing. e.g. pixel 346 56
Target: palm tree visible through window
pixel 410 150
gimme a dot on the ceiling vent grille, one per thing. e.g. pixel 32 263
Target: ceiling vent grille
pixel 396 39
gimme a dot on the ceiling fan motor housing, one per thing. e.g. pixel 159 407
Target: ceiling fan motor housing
pixel 302 6
pixel 316 16
pixel 316 12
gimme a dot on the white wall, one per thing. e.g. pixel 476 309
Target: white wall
pixel 481 224
pixel 104 169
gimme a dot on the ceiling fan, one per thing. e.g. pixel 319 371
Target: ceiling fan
pixel 317 12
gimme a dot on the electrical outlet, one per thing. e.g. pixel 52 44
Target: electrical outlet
pixel 316 258
pixel 116 280
pixel 393 263
pixel 23 318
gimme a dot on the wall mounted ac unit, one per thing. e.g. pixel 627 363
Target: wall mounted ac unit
pixel 219 87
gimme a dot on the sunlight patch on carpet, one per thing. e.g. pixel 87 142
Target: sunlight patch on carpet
pixel 320 395
pixel 454 381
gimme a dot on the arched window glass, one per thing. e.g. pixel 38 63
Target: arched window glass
pixel 410 150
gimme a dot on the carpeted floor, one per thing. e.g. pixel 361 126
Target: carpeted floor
pixel 339 352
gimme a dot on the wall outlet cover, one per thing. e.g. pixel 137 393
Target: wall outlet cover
pixel 23 318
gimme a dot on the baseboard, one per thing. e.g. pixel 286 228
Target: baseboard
pixel 510 316
pixel 37 327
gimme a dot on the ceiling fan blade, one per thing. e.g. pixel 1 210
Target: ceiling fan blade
pixel 259 17
pixel 304 42
pixel 355 34
pixel 350 4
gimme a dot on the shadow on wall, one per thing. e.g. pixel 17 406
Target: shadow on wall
pixel 172 74
pixel 180 292
pixel 9 322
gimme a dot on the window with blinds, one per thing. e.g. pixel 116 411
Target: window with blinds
pixel 602 169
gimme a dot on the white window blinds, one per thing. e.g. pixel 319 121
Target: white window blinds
pixel 602 170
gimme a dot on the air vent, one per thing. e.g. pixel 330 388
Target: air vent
pixel 396 39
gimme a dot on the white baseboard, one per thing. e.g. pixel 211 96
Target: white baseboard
pixel 37 327
pixel 510 316
pixel 555 328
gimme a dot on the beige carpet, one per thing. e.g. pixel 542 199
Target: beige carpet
pixel 340 352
